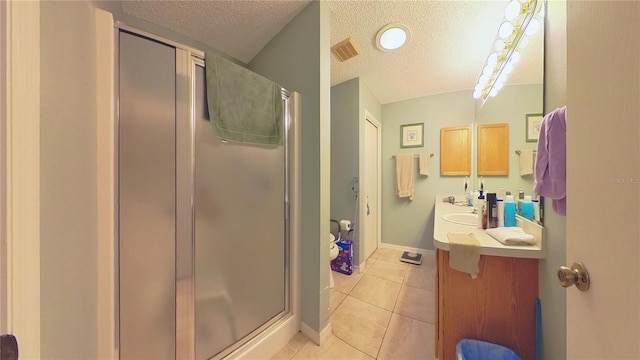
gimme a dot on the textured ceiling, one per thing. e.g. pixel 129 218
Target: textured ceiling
pixel 449 43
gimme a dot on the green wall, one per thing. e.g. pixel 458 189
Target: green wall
pixel 349 101
pixel 553 297
pixel 345 140
pixel 298 59
pixel 410 223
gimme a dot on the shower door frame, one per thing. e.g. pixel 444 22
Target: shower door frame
pixel 276 332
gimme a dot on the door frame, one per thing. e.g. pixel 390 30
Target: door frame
pixel 20 179
pixel 362 203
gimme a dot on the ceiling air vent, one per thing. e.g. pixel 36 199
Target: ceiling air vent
pixel 345 50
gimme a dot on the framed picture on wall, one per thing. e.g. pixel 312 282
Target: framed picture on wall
pixel 533 127
pixel 412 135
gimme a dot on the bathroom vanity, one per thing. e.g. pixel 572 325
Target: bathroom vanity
pixel 499 305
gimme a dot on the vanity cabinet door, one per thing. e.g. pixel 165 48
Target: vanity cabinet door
pixel 493 150
pixel 455 151
pixel 498 306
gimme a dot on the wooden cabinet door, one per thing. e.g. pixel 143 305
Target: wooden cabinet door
pixel 493 149
pixel 498 306
pixel 455 151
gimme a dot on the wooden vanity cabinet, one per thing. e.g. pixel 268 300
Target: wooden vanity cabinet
pixel 498 306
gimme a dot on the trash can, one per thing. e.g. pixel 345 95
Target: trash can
pixel 468 349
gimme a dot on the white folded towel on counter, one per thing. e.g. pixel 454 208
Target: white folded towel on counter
pixel 511 236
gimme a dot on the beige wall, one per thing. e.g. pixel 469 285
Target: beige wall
pixel 68 224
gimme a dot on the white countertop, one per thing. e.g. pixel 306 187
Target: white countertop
pixel 488 245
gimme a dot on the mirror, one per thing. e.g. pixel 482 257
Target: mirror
pixel 520 106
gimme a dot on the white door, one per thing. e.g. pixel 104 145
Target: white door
pixel 371 186
pixel 603 178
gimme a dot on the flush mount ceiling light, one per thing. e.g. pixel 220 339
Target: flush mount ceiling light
pixel 519 21
pixel 392 36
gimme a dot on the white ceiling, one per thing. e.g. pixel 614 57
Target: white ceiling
pixel 449 43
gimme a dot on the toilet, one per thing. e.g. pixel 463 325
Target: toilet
pixel 333 253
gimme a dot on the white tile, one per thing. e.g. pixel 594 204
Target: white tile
pixel 390 255
pixel 388 271
pixel 418 304
pixel 360 325
pixel 376 291
pixel 293 346
pixel 335 300
pixel 422 276
pixel 345 283
pixel 332 349
pixel 407 338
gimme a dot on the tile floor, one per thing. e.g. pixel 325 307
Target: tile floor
pixel 384 312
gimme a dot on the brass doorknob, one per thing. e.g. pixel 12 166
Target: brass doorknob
pixel 576 275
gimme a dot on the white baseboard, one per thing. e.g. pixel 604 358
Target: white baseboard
pixel 318 338
pixel 407 248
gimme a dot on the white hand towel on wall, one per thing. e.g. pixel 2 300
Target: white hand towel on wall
pixel 424 164
pixel 404 175
pixel 526 162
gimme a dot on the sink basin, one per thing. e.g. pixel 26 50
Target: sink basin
pixel 461 218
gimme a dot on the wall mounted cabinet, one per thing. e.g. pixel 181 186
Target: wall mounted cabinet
pixel 455 151
pixel 493 150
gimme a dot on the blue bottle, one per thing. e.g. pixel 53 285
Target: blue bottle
pixel 527 210
pixel 509 212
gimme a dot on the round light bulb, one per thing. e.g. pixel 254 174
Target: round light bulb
pixel 487 70
pixel 492 60
pixel 498 86
pixel 515 57
pixel 541 13
pixel 483 80
pixel 479 87
pixel 498 46
pixel 502 79
pixel 493 92
pixel 533 27
pixel 524 41
pixel 512 10
pixel 508 68
pixel 506 29
pixel 476 94
pixel 393 38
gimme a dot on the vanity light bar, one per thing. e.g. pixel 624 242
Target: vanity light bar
pixel 519 20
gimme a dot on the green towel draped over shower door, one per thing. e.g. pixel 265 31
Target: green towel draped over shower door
pixel 243 106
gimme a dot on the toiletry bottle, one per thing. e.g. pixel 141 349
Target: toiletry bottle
pixel 492 211
pixel 519 201
pixel 501 213
pixel 527 208
pixel 536 209
pixel 484 215
pixel 509 211
pixel 479 209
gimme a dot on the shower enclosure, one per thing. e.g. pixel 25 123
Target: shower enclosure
pixel 203 225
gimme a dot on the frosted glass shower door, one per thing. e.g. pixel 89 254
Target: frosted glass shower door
pixel 240 237
pixel 146 202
